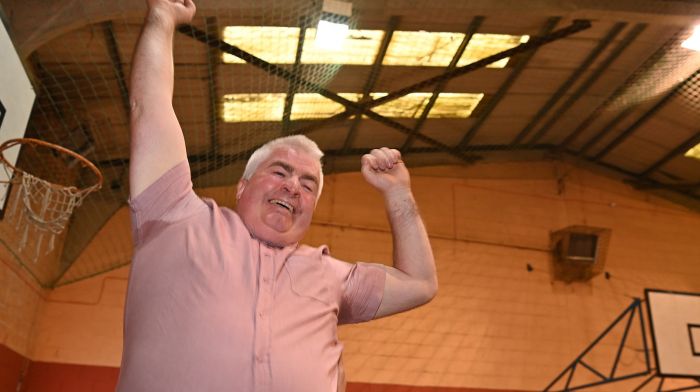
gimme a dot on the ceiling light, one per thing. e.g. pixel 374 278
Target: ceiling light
pixel 333 25
pixel 693 43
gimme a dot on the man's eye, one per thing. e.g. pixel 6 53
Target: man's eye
pixel 278 173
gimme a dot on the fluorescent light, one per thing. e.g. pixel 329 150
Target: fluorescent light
pixel 330 35
pixel 333 25
pixel 693 43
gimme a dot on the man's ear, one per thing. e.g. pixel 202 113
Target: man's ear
pixel 240 188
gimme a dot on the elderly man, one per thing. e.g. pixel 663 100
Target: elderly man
pixel 228 301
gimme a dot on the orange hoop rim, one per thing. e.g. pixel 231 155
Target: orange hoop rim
pixel 19 141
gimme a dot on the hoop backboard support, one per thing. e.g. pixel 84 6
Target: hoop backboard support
pixel 675 329
pixel 16 100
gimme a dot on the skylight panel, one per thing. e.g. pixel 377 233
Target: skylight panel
pixel 312 105
pixel 408 106
pixel 273 44
pixel 277 45
pixel 360 47
pixel 308 106
pixel 252 107
pixel 484 45
pixel 455 105
pixel 422 48
pixel 693 152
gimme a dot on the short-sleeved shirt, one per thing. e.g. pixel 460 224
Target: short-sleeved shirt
pixel 209 308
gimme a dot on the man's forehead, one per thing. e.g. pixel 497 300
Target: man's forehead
pixel 294 160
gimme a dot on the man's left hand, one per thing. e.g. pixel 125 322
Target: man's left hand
pixel 383 169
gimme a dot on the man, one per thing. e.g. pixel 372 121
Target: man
pixel 228 301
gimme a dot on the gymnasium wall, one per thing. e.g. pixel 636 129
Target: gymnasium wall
pixel 495 324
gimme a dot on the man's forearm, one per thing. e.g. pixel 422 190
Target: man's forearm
pixel 412 252
pixel 152 74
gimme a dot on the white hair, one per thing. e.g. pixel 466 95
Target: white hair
pixel 299 143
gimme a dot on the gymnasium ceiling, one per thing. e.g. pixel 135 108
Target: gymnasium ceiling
pixel 604 84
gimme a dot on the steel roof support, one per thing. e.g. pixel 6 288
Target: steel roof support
pixel 573 78
pixel 440 86
pixel 493 101
pixel 373 76
pixel 643 118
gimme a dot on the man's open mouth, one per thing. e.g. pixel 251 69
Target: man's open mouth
pixel 283 204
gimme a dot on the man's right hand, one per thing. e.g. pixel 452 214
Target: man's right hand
pixel 171 12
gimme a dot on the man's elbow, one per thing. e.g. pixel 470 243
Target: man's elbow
pixel 430 289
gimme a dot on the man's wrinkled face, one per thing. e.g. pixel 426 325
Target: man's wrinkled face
pixel 276 204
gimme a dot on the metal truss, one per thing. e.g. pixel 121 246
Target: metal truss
pixel 635 309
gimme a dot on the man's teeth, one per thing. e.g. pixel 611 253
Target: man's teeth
pixel 283 204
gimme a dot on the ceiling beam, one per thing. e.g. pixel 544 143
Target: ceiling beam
pixel 283 73
pixel 213 60
pixel 631 79
pixel 117 67
pixel 575 27
pixel 607 128
pixel 353 107
pixel 440 86
pixel 484 148
pixel 569 103
pixel 205 157
pixel 646 116
pixel 515 72
pixel 372 78
pixel 293 85
pixel 33 23
pixel 45 92
pixel 684 187
pixel 573 78
pixel 680 149
pixel 634 178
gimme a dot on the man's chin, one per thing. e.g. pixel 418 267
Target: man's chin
pixel 276 239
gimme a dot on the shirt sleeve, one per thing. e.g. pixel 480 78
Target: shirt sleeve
pixel 362 294
pixel 168 199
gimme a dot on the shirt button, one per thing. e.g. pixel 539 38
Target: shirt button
pixel 260 314
pixel 259 358
pixel 266 280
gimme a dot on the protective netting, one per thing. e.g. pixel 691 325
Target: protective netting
pixel 228 103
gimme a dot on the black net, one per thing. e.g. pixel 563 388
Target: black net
pixel 411 76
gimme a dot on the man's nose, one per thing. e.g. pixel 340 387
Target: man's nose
pixel 293 185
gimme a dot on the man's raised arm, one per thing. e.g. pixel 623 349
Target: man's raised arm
pixel 157 143
pixel 413 280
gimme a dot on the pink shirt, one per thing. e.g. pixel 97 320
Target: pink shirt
pixel 209 308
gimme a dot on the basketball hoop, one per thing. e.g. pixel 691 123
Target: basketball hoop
pixel 45 207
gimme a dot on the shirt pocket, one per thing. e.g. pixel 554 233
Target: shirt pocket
pixel 308 278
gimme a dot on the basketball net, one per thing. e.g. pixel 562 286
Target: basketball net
pixel 42 209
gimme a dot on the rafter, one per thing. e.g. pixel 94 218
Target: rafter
pixel 213 57
pixel 652 59
pixel 117 66
pixel 296 70
pixel 514 74
pixel 372 78
pixel 471 30
pixel 624 44
pixel 573 78
pixel 355 108
pixel 645 117
pixel 680 149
